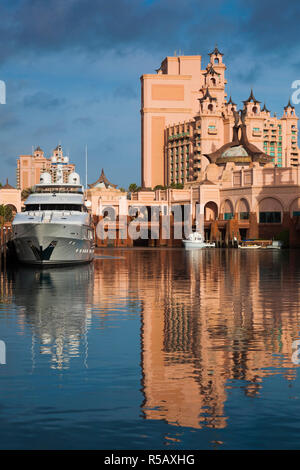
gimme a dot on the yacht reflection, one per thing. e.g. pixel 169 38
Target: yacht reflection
pixel 226 321
pixel 56 305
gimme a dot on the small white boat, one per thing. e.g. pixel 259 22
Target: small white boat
pixel 195 240
pixel 276 245
pixel 249 246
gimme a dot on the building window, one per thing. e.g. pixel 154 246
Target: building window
pixel 244 215
pixel 296 214
pixel 270 217
pixel 228 216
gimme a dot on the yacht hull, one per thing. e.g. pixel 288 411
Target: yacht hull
pixel 53 244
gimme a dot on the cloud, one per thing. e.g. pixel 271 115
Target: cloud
pixel 8 119
pixel 42 100
pixel 125 91
pixel 250 74
pixel 11 162
pixel 273 26
pixel 56 129
pixel 97 26
pixel 83 121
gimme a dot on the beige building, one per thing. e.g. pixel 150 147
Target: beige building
pixel 30 167
pixel 103 193
pixel 11 197
pixel 185 115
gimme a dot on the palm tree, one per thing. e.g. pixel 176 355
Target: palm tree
pixel 25 193
pixel 6 214
pixel 132 188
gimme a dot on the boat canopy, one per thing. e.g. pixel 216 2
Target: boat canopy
pixel 54 198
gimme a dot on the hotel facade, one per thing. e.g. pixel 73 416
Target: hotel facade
pixel 30 167
pixel 185 115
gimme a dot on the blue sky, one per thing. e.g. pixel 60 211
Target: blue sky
pixel 72 69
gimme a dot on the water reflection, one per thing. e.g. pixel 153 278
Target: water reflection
pixel 56 305
pixel 209 321
pixel 215 317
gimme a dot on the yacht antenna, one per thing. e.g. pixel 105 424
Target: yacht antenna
pixel 86 167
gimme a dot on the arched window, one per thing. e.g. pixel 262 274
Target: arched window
pixel 210 211
pixel 210 107
pixel 270 211
pixel 216 61
pixel 243 209
pixel 228 210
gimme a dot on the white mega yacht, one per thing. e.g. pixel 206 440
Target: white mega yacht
pixel 55 228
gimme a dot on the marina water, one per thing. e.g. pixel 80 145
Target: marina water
pixel 152 349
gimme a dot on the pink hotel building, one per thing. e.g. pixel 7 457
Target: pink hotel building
pixel 185 115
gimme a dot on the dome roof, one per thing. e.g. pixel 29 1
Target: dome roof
pixel 237 151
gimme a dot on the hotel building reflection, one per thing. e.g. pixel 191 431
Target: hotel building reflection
pixel 210 320
pixel 214 317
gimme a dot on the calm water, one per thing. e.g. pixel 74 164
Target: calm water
pixel 153 349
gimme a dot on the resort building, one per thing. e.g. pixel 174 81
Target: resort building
pixel 240 194
pixel 102 194
pixel 10 197
pixel 185 115
pixel 30 167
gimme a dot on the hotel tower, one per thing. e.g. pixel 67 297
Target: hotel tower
pixel 185 115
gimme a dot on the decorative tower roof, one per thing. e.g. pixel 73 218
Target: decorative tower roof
pixel 211 71
pixel 206 96
pixel 7 186
pixel 289 105
pixel 215 52
pixel 230 101
pixel 102 182
pixel 265 108
pixel 251 98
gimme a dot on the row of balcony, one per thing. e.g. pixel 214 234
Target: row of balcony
pixel 179 136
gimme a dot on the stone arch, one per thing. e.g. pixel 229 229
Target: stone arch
pixel 295 207
pixel 270 210
pixel 210 211
pixel 210 107
pixel 243 208
pixel 227 209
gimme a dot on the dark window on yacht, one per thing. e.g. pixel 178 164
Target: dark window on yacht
pixel 55 207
